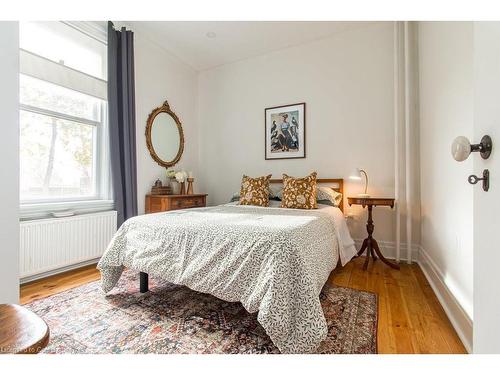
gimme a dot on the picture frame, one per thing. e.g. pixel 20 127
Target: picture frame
pixel 285 132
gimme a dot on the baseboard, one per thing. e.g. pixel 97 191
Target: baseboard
pixel 457 315
pixel 42 275
pixel 388 249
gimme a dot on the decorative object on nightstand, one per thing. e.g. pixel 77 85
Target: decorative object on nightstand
pixel 190 185
pixel 369 243
pixel 21 330
pixel 159 189
pixel 171 182
pixel 181 178
pixel 160 203
pixel 356 175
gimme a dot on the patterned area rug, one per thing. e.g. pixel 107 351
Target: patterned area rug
pixel 174 319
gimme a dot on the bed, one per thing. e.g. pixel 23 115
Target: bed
pixel 274 261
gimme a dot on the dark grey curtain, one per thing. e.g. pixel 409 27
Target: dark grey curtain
pixel 121 106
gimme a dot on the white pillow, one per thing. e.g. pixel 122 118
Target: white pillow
pixel 273 194
pixel 322 194
pixel 326 193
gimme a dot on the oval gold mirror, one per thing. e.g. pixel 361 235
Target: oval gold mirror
pixel 164 136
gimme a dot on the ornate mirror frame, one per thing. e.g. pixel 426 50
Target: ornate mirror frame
pixel 165 108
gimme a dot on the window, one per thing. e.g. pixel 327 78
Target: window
pixel 63 110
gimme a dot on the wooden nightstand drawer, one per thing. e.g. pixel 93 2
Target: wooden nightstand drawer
pixel 159 203
pixel 187 202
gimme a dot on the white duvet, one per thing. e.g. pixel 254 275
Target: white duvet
pixel 272 260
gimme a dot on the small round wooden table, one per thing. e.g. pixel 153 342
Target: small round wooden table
pixel 21 330
pixel 369 243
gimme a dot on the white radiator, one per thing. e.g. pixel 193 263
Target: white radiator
pixel 51 245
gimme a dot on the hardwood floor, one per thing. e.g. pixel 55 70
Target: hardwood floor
pixel 58 283
pixel 411 320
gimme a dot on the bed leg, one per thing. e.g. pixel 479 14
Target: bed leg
pixel 143 282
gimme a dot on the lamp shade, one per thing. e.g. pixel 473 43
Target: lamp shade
pixel 355 174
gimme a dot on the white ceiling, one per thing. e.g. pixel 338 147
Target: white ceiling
pixel 234 40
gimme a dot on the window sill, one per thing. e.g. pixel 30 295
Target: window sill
pixel 43 210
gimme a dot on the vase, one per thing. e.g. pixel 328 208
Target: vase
pixel 183 188
pixel 175 186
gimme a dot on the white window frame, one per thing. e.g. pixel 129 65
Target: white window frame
pixel 102 200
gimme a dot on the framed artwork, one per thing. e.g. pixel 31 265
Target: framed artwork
pixel 285 136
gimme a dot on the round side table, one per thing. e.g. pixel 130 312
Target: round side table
pixel 369 243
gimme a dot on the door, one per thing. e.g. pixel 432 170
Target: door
pixel 487 204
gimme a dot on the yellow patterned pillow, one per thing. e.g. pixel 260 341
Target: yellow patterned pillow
pixel 255 191
pixel 299 192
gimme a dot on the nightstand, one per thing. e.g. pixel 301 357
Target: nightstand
pixel 160 203
pixel 369 243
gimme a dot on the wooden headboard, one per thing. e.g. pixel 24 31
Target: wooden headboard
pixel 336 184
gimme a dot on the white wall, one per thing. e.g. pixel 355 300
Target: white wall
pixel 159 76
pixel 346 81
pixel 446 111
pixel 9 154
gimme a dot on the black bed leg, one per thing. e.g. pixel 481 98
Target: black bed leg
pixel 143 282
